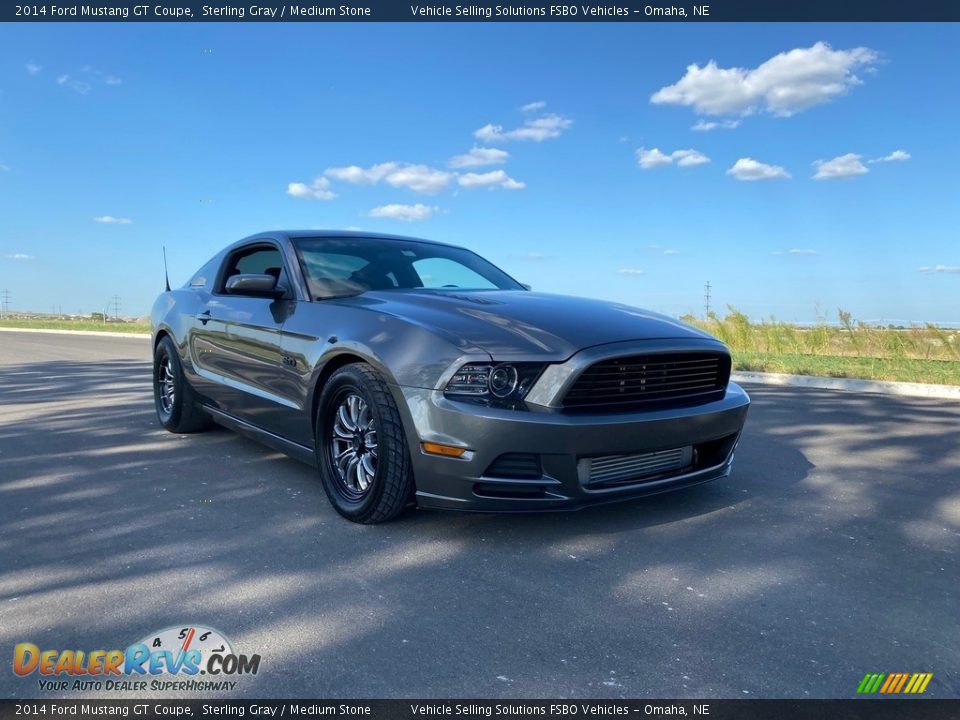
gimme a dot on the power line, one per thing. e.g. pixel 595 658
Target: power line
pixel 116 307
pixel 5 306
pixel 706 298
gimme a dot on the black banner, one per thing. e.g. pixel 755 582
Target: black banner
pixel 521 11
pixel 874 709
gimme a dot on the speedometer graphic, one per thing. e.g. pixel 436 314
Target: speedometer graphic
pixel 180 640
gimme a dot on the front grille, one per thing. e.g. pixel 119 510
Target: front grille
pixel 515 466
pixel 641 381
pixel 623 468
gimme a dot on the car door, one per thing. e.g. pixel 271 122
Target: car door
pixel 236 341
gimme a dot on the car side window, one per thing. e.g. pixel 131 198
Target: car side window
pixel 260 260
pixel 206 276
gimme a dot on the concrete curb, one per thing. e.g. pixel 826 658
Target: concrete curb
pixel 95 333
pixel 946 392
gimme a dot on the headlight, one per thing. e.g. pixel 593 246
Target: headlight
pixel 493 381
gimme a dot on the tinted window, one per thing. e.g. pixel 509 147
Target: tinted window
pixel 440 272
pixel 349 266
pixel 206 275
pixel 260 260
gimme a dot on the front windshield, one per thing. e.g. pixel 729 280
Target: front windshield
pixel 336 267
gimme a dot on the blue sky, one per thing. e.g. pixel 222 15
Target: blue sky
pixel 589 178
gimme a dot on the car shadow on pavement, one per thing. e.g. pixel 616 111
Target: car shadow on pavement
pixel 838 516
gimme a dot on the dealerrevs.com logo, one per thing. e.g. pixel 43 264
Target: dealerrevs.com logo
pixel 169 660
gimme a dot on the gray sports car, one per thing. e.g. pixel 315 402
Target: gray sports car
pixel 413 372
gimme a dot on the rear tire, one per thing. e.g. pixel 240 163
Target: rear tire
pixel 175 401
pixel 361 447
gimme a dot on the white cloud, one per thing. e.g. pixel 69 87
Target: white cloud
pixel 689 158
pixel 784 85
pixel 77 86
pixel 895 156
pixel 941 269
pixel 319 189
pixel 480 156
pixel 796 251
pixel 630 271
pixel 750 169
pixel 533 106
pixel 111 220
pixel 33 68
pixel 361 176
pixel 848 165
pixel 538 129
pixel 654 158
pixel 419 178
pixel 492 179
pixel 707 125
pixel 112 80
pixel 661 249
pixel 19 256
pixel 406 213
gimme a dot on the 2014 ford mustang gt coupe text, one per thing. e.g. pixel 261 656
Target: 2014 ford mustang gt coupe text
pixel 413 372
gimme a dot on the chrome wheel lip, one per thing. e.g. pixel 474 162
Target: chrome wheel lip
pixel 353 445
pixel 166 387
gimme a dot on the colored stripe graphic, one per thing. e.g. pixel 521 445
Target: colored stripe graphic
pixel 892 679
pixel 894 683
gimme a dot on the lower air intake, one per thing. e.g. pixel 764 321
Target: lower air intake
pixel 610 469
pixel 520 466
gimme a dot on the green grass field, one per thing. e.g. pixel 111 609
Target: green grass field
pixel 927 353
pixel 99 326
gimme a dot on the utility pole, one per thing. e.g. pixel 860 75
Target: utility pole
pixel 5 304
pixel 116 307
pixel 706 299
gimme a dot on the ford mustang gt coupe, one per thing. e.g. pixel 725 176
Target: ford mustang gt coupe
pixel 417 373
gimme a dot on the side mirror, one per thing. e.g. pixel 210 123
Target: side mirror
pixel 254 284
pixel 525 286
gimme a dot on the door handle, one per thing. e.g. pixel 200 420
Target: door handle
pixel 204 317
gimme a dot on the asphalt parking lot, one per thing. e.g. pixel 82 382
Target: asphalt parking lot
pixel 832 551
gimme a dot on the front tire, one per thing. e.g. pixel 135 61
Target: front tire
pixel 361 447
pixel 175 401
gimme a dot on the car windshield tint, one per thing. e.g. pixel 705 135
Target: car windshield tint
pixel 335 267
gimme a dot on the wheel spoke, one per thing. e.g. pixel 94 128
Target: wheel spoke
pixel 353 403
pixel 343 415
pixel 352 472
pixel 344 459
pixel 363 416
pixel 353 445
pixel 369 470
pixel 166 386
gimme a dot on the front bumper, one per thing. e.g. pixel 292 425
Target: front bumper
pixel 561 441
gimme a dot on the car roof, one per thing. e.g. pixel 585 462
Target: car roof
pixel 294 234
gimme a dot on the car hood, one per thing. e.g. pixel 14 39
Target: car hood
pixel 517 323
